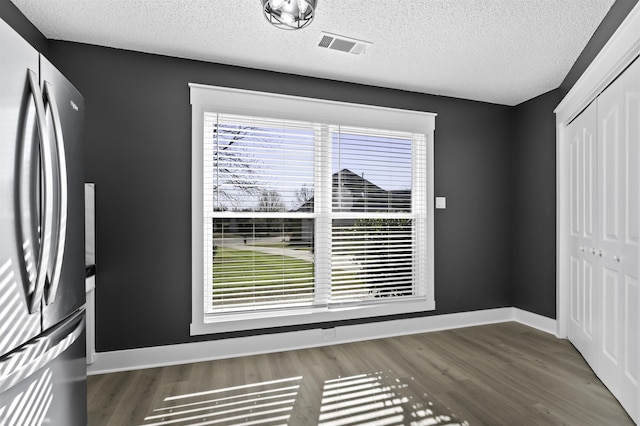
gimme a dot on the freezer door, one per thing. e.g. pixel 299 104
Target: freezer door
pixel 19 199
pixel 65 287
pixel 44 382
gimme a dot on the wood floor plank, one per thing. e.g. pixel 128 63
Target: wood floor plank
pixel 137 398
pixel 499 374
pixel 104 393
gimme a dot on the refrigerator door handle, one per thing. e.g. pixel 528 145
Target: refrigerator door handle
pixel 48 352
pixel 62 193
pixel 46 219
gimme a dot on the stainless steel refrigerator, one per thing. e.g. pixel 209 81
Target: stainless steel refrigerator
pixel 42 296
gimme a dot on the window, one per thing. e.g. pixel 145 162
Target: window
pixel 307 210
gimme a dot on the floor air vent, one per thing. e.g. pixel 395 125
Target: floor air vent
pixel 343 44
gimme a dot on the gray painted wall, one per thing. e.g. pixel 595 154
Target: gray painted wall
pixel 138 152
pixel 534 205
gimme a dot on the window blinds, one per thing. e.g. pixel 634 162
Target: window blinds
pixel 301 214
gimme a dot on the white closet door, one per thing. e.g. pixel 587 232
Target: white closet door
pixel 583 234
pixel 617 293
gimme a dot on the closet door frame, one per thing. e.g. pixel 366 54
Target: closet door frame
pixel 619 52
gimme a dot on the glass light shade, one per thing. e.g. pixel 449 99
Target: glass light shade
pixel 289 14
pixel 287 18
pixel 276 4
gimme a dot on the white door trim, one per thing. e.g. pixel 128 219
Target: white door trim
pixel 621 49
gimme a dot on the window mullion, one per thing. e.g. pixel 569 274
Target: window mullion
pixel 322 211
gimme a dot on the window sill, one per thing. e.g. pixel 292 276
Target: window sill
pixel 224 323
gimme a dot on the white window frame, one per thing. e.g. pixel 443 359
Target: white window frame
pixel 244 102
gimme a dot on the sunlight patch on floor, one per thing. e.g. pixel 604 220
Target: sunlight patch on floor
pixel 378 399
pixel 263 403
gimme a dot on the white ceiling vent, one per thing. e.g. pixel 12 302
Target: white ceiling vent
pixel 342 43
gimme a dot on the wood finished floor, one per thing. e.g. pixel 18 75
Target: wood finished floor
pixel 500 374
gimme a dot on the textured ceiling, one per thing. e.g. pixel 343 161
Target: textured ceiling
pixel 500 51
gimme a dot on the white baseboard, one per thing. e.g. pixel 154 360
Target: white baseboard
pixel 540 322
pixel 134 359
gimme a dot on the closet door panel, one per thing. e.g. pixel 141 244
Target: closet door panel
pixel 609 193
pixel 632 166
pixel 588 303
pixel 609 156
pixel 575 173
pixel 575 313
pixel 631 256
pixel 590 230
pixel 618 192
pixel 583 212
pixel 610 337
pixel 576 226
pixel 631 326
pixel 629 248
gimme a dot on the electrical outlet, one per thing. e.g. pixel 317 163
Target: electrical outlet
pixel 329 333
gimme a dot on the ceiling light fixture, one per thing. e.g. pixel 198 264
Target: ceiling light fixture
pixel 289 14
